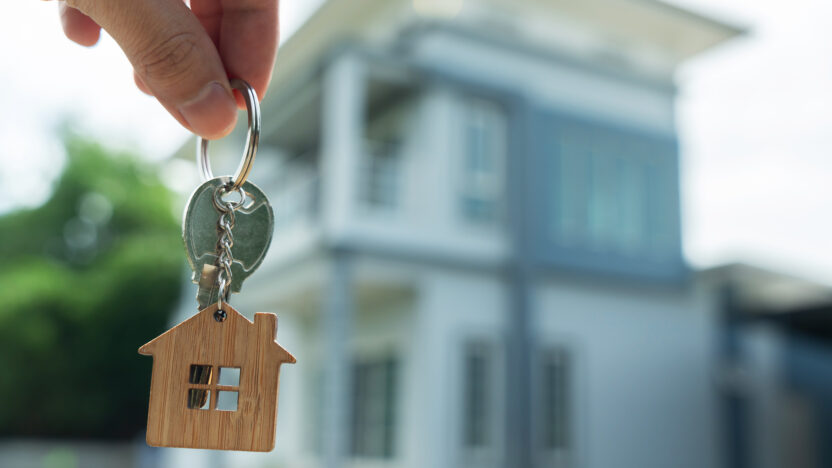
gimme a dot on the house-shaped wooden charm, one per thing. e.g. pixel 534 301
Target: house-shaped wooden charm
pixel 215 383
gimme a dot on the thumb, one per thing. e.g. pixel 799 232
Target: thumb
pixel 173 56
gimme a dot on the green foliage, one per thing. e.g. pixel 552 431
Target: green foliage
pixel 87 278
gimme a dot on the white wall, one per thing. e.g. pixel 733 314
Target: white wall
pixel 455 306
pixel 643 371
pixel 427 218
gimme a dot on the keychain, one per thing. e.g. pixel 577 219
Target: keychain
pixel 215 375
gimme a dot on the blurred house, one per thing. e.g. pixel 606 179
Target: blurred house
pixel 477 258
pixel 775 376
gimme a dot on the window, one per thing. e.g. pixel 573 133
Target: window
pixel 224 385
pixel 556 402
pixel 374 408
pixel 380 177
pixel 608 198
pixel 483 160
pixel 477 404
pixel 600 184
pixel 380 188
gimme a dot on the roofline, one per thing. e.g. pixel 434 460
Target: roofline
pixel 739 266
pixel 724 29
pixel 537 52
pixel 147 348
pixel 729 28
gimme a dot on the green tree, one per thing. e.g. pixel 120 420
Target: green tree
pixel 86 279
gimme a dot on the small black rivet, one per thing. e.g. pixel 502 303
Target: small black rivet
pixel 220 315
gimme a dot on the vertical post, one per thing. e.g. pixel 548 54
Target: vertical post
pixel 733 405
pixel 342 140
pixel 520 346
pixel 336 321
pixel 519 445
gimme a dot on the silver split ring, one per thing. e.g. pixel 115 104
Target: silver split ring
pixel 252 139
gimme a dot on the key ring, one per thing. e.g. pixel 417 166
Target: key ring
pixel 252 139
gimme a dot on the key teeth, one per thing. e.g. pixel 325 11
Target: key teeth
pixel 207 291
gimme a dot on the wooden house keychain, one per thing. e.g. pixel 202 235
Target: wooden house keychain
pixel 215 375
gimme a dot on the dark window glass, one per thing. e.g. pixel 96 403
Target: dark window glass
pixel 555 404
pixel 476 402
pixel 199 399
pixel 200 374
pixel 374 408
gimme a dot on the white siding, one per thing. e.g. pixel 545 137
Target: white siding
pixel 643 370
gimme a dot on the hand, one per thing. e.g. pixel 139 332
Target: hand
pixel 184 56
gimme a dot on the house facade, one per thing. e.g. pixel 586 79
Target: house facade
pixel 477 256
pixel 774 350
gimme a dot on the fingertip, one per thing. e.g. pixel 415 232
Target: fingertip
pixel 248 42
pixel 79 27
pixel 212 114
pixel 86 38
pixel 141 84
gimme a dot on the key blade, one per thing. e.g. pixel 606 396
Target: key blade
pixel 208 291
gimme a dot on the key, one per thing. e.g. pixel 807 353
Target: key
pixel 208 291
pixel 253 229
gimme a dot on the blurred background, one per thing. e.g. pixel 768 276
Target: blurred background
pixel 508 233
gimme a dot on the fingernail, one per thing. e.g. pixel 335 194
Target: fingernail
pixel 212 113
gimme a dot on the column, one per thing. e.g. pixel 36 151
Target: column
pixel 342 141
pixel 336 329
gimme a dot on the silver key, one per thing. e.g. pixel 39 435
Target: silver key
pixel 252 231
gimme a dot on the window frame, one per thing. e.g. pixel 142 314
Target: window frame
pixel 482 186
pixel 381 177
pixel 389 394
pixel 484 456
pixel 478 349
pixel 213 387
pixel 565 140
pixel 570 454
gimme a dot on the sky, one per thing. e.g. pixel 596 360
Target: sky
pixel 754 121
pixel 754 118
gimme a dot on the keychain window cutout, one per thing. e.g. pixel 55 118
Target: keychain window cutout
pixel 200 374
pixel 229 376
pixel 226 387
pixel 227 400
pixel 199 399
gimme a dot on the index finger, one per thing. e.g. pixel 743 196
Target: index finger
pixel 247 36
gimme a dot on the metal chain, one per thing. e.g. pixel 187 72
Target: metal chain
pixel 225 257
pixel 225 242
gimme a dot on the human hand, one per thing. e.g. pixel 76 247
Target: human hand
pixel 184 56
